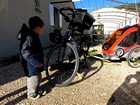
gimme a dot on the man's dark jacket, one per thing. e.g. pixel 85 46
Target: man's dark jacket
pixel 31 52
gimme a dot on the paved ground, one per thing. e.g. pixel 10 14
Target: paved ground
pixel 114 84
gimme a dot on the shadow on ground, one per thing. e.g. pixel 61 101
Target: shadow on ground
pixel 10 70
pixel 128 93
pixel 94 66
pixel 47 86
pixel 10 73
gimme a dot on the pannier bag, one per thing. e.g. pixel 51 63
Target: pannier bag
pixel 83 19
pixel 55 36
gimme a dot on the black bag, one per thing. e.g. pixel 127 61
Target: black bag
pixel 55 36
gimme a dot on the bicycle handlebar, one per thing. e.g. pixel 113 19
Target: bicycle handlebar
pixel 65 16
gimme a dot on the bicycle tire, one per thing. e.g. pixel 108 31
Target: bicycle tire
pixel 68 68
pixel 133 58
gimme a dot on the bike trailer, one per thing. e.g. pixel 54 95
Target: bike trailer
pixel 119 44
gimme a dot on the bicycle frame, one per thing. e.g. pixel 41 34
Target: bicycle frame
pixel 66 39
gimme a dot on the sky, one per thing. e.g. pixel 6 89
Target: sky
pixel 92 5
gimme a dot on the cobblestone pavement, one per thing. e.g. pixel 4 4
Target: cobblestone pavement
pixel 114 84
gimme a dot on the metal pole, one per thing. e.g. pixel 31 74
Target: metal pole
pixel 136 6
pixel 137 10
pixel 126 13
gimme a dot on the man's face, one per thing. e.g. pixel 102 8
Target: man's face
pixel 39 30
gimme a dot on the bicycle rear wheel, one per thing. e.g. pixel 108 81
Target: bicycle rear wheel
pixel 62 64
pixel 133 58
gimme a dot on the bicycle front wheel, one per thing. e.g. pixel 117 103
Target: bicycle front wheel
pixel 133 58
pixel 62 64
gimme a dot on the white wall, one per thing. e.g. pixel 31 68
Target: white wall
pixel 12 14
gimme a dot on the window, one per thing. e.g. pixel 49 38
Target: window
pixel 55 17
pixel 129 40
pixel 116 37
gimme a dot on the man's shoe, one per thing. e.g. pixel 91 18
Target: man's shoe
pixel 34 96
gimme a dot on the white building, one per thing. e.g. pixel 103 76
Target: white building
pixel 113 18
pixel 13 13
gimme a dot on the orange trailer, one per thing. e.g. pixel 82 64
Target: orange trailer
pixel 119 44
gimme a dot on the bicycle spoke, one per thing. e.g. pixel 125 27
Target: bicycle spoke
pixel 61 68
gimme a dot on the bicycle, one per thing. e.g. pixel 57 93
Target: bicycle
pixel 63 59
pixel 133 58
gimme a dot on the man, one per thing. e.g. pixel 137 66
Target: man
pixel 31 55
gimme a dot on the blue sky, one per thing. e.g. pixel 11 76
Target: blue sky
pixel 92 5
